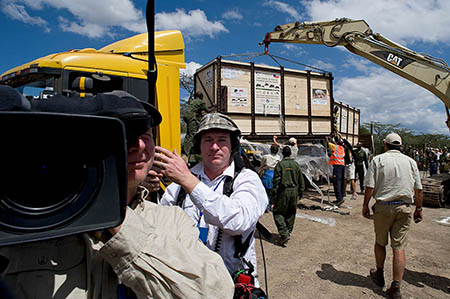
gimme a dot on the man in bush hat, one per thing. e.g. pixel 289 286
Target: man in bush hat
pixel 393 180
pixel 223 197
pixel 154 253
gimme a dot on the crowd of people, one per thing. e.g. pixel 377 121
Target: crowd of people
pixel 196 240
pixel 432 160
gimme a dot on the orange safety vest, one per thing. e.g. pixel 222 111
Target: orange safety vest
pixel 337 156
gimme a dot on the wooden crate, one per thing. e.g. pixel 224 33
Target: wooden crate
pixel 266 100
pixel 347 122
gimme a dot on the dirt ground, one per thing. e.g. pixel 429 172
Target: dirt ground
pixel 323 261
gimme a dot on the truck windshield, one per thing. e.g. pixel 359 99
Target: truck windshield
pixel 37 88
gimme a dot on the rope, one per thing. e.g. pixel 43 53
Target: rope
pixel 248 56
pixel 296 62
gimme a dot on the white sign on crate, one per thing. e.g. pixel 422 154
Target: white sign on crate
pixel 238 96
pixel 267 93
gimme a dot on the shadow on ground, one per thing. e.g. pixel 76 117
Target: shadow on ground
pixel 263 233
pixel 345 278
pixel 420 279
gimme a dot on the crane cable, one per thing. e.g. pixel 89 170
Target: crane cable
pixel 248 56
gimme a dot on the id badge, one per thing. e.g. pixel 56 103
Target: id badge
pixel 203 234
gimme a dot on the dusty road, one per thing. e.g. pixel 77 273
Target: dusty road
pixel 323 261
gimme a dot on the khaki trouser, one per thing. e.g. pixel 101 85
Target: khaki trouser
pixel 393 220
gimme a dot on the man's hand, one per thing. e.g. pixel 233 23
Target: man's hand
pixel 418 216
pixel 366 211
pixel 172 166
pixel 152 181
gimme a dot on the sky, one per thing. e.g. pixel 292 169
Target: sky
pixel 210 28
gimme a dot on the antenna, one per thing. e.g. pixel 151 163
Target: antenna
pixel 152 74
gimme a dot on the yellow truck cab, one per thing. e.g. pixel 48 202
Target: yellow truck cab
pixel 119 66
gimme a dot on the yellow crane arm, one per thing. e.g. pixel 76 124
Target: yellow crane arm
pixel 429 72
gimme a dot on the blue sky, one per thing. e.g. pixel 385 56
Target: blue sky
pixel 35 28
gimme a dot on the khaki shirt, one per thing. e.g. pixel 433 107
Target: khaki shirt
pixel 156 253
pixel 393 176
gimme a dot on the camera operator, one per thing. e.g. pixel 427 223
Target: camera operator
pixel 154 253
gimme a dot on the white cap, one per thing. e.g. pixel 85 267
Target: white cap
pixel 292 140
pixel 393 139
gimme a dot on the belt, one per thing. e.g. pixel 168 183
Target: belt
pixel 393 202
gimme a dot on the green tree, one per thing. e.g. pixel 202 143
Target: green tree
pixel 409 137
pixel 186 84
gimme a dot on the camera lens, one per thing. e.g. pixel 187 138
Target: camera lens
pixel 43 186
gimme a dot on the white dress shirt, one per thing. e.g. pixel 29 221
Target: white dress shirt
pixel 235 215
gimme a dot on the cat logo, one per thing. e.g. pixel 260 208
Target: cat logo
pixel 394 59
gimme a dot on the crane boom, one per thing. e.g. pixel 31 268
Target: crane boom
pixel 429 72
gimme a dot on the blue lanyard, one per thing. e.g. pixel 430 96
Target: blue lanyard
pixel 203 231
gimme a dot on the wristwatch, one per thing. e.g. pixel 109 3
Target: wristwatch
pixel 419 209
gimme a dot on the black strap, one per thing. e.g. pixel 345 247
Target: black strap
pixel 241 248
pixel 180 197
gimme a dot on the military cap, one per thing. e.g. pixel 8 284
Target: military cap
pixel 217 121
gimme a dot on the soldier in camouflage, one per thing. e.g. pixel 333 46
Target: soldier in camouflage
pixel 288 185
pixel 196 109
pixel 361 161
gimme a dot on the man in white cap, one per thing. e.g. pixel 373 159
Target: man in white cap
pixel 393 180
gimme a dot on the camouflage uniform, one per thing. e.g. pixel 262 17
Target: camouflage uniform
pixel 360 161
pixel 288 185
pixel 192 118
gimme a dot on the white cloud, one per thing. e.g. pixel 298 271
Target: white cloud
pixel 326 66
pixel 404 21
pixel 89 30
pixel 233 14
pixel 283 7
pixel 362 65
pixel 90 18
pixel 18 12
pixel 190 69
pixel 192 24
pixel 387 98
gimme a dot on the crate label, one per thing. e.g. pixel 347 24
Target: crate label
pixel 238 96
pixel 319 96
pixel 267 93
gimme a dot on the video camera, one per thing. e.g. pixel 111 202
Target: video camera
pixel 61 174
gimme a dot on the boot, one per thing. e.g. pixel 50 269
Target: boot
pixel 377 276
pixel 394 291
